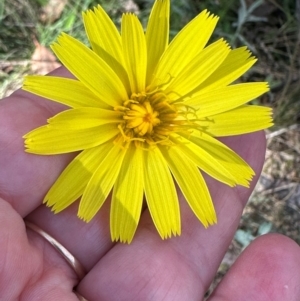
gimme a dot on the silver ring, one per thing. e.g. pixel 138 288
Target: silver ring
pixel 71 260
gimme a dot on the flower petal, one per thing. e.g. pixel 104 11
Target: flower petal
pixel 205 161
pixel 82 118
pixel 157 34
pixel 47 140
pixel 102 33
pixel 161 194
pixel 68 188
pixel 67 91
pixel 184 47
pixel 242 120
pixel 105 40
pixel 192 185
pixel 224 99
pixel 241 172
pixel 235 65
pixel 135 52
pixel 101 183
pixel 199 69
pixel 127 196
pixel 90 69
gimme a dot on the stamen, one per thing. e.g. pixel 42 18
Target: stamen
pixel 129 101
pixel 121 108
pixel 150 118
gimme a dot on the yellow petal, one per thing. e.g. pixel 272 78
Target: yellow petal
pixel 72 181
pixel 102 33
pixel 101 183
pixel 235 65
pixel 199 69
pixel 83 118
pixel 67 91
pixel 47 140
pixel 205 161
pixel 185 46
pixel 157 34
pixel 192 185
pixel 90 69
pixel 226 98
pixel 242 120
pixel 105 40
pixel 135 52
pixel 127 196
pixel 241 172
pixel 161 194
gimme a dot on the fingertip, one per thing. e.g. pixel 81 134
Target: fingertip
pixel 268 269
pixel 276 246
pixel 273 255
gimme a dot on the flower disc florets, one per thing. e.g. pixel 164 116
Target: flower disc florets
pixel 150 118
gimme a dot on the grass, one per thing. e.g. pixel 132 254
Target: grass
pixel 269 28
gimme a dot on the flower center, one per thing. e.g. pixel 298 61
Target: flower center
pixel 142 118
pixel 150 117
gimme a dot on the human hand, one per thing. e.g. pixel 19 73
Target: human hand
pixel 180 268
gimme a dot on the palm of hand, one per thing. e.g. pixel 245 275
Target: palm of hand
pixel 180 268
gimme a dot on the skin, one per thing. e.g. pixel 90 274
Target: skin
pixel 181 268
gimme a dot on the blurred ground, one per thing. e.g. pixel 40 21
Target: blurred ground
pixel 271 30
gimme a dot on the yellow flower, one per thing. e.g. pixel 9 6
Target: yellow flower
pixel 143 112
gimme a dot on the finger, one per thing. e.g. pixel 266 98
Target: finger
pixel 267 270
pixel 180 268
pixel 30 269
pixel 25 178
